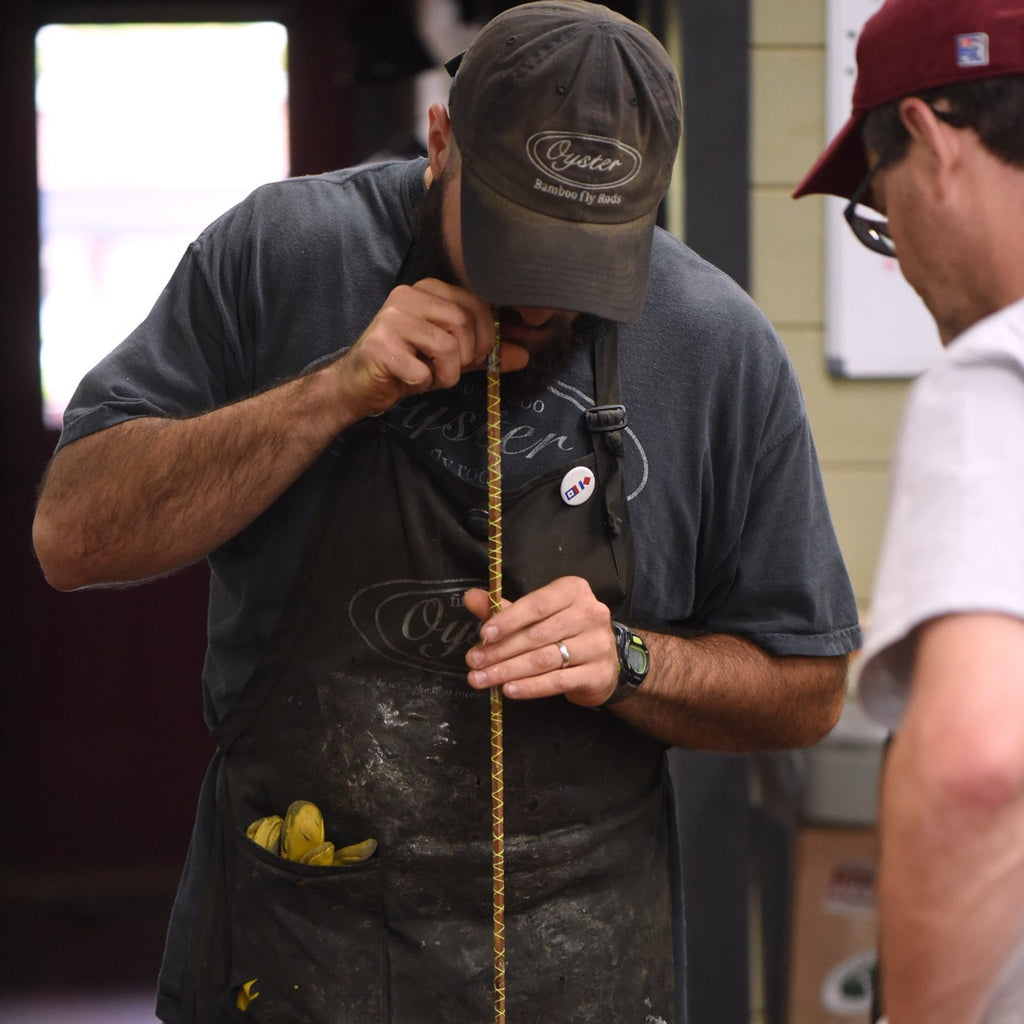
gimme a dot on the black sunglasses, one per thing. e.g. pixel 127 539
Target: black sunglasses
pixel 870 227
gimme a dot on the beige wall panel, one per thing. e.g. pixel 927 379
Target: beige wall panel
pixel 855 422
pixel 852 420
pixel 787 113
pixel 787 22
pixel 858 498
pixel 786 256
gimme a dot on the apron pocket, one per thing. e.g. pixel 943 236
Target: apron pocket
pixel 306 942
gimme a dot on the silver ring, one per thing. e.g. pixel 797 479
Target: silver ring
pixel 564 652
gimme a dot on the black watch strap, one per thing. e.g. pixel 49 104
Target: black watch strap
pixel 634 662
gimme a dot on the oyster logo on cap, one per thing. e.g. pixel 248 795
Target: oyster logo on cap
pixel 583 161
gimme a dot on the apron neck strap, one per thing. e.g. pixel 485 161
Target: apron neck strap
pixel 607 422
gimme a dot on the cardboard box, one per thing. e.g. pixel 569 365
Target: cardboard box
pixel 834 926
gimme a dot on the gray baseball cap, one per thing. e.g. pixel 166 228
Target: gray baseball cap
pixel 567 116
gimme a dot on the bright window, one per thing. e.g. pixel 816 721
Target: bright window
pixel 146 133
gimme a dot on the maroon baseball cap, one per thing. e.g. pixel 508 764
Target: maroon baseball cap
pixel 908 46
pixel 567 116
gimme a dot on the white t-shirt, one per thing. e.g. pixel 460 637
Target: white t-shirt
pixel 954 539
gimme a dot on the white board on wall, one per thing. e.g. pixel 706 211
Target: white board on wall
pixel 875 324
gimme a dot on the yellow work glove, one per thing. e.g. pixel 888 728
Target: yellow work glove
pixel 246 994
pixel 299 836
pixel 303 830
pixel 266 832
pixel 356 853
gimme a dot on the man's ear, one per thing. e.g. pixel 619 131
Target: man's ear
pixel 924 127
pixel 439 139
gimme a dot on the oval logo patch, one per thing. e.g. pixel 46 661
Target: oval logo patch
pixel 420 623
pixel 586 161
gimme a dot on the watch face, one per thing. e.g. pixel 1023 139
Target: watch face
pixel 636 659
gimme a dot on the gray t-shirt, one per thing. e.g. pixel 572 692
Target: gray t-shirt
pixel 730 523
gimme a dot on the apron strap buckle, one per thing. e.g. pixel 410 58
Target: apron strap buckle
pixel 602 418
pixel 609 421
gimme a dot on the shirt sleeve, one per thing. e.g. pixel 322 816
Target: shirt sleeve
pixel 736 536
pixel 187 356
pixel 789 591
pixel 953 540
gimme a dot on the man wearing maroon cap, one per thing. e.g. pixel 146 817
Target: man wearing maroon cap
pixel 935 145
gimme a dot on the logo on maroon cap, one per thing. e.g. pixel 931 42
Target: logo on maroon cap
pixel 972 50
pixel 583 161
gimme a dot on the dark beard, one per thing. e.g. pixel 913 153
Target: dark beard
pixel 546 364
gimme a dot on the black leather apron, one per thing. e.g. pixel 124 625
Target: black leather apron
pixel 361 706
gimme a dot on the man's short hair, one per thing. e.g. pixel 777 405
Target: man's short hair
pixel 992 107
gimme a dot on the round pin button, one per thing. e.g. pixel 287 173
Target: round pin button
pixel 578 485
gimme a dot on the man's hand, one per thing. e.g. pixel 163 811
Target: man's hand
pixel 711 692
pixel 520 644
pixel 424 337
pixel 153 494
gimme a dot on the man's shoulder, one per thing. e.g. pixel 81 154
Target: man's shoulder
pixel 999 336
pixel 393 184
pixel 682 279
pixel 704 334
pixel 982 363
pixel 319 214
pixel 695 309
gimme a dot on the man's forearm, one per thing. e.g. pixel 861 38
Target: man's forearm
pixel 951 880
pixel 724 693
pixel 948 896
pixel 152 495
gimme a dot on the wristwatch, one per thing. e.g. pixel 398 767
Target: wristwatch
pixel 634 662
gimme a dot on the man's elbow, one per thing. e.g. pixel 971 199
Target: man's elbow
pixel 979 781
pixel 55 552
pixel 824 709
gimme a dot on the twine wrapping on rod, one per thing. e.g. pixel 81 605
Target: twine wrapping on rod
pixel 497 739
